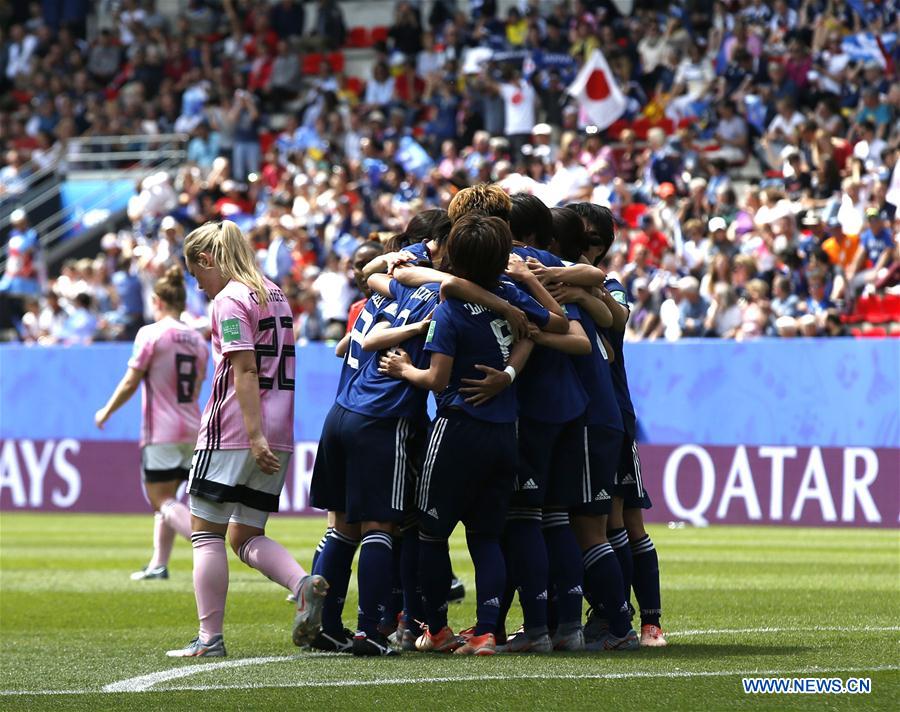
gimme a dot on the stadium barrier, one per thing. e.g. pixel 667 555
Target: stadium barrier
pixel 803 432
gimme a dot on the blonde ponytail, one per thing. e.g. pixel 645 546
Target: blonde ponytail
pixel 231 253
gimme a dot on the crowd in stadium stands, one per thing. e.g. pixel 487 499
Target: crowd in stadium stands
pixel 753 173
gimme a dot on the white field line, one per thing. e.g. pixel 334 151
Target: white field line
pixel 735 631
pixel 460 678
pixel 144 683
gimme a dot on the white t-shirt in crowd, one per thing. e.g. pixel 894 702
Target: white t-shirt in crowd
pixel 519 100
pixel 335 295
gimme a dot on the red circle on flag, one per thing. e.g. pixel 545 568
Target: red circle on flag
pixel 517 98
pixel 597 87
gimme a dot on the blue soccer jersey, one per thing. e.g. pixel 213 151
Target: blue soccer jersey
pixel 616 339
pixel 474 335
pixel 547 259
pixel 378 395
pixel 596 376
pixel 550 390
pixel 421 251
pixel 378 308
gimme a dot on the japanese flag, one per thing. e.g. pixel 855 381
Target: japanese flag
pixel 600 99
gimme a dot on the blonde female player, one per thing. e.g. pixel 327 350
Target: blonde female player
pixel 246 436
pixel 170 360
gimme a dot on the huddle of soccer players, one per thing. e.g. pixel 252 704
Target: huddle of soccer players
pixel 501 314
pixel 495 307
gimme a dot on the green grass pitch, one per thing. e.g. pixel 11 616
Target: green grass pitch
pixel 737 602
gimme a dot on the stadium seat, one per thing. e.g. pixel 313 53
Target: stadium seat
pixel 614 132
pixel 874 332
pixel 358 37
pixel 312 62
pixel 355 85
pixel 379 34
pixel 667 125
pixel 891 306
pixel 336 60
pixel 641 126
pixel 266 139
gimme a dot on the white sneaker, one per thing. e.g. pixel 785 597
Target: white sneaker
pixel 214 648
pixel 159 572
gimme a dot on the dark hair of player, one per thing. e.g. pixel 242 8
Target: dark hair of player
pixel 427 225
pixel 170 289
pixel 569 233
pixel 373 246
pixel 600 224
pixel 530 221
pixel 479 247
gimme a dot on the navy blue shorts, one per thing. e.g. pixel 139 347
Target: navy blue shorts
pixel 629 482
pixel 468 476
pixel 366 467
pixel 551 460
pixel 600 461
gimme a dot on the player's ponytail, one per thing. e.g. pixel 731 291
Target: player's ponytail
pixel 170 289
pixel 231 253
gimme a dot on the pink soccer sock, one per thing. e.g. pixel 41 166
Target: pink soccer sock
pixel 273 560
pixel 163 538
pixel 178 516
pixel 210 581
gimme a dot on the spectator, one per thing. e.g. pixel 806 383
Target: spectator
pixel 24 266
pixel 204 147
pixel 693 307
pixel 335 293
pixel 103 59
pixel 244 116
pixel 723 318
pixel 287 17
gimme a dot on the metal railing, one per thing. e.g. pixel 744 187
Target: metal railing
pixel 137 157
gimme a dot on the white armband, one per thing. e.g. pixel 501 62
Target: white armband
pixel 511 372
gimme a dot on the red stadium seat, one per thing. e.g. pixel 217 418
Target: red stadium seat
pixel 616 128
pixel 355 85
pixel 266 139
pixel 891 306
pixel 641 126
pixel 358 37
pixel 312 62
pixel 874 332
pixel 336 60
pixel 379 34
pixel 667 125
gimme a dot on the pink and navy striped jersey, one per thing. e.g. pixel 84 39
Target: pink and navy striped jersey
pixel 239 323
pixel 173 359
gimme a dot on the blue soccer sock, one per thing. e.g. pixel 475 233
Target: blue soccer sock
pixel 490 580
pixel 395 601
pixel 566 569
pixel 318 551
pixel 603 577
pixel 529 567
pixel 413 610
pixel 618 540
pixel 434 579
pixel 335 564
pixel 376 559
pixel 646 580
